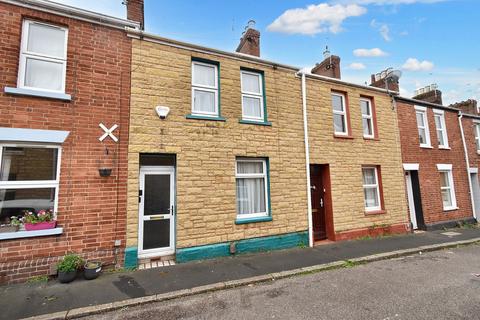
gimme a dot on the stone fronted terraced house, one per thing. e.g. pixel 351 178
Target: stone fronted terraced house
pixel 217 155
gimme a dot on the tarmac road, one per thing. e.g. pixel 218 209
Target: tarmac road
pixel 437 285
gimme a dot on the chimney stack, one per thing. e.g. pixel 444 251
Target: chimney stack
pixel 380 80
pixel 250 40
pixel 429 94
pixel 467 106
pixel 135 11
pixel 329 67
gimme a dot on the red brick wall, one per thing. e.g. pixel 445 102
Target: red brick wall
pixel 91 209
pixel 429 158
pixel 469 132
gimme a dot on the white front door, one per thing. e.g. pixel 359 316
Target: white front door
pixel 156 227
pixel 411 201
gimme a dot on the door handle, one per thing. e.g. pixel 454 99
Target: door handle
pixel 321 202
pixel 172 211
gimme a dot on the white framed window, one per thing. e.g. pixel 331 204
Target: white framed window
pixel 447 188
pixel 441 128
pixel 204 89
pixel 252 184
pixel 367 118
pixel 29 179
pixel 43 57
pixel 339 114
pixel 422 125
pixel 477 136
pixel 252 95
pixel 371 189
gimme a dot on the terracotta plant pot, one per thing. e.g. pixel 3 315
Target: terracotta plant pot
pixel 66 277
pixel 40 226
pixel 92 270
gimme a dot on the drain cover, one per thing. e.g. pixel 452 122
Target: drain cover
pixel 451 233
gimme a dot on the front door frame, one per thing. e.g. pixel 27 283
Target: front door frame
pixel 156 170
pixel 411 202
pixel 324 176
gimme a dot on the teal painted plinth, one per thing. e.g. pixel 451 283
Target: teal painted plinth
pixel 131 258
pixel 282 241
pixel 202 252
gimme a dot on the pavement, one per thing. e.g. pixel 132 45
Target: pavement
pixel 26 300
pixel 434 285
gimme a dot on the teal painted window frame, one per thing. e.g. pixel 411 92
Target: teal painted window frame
pixel 219 114
pixel 268 217
pixel 265 121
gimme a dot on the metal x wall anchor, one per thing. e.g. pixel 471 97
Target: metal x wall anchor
pixel 108 132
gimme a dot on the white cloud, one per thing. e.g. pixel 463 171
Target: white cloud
pixel 108 7
pixel 385 32
pixel 413 64
pixel 374 52
pixel 382 28
pixel 385 2
pixel 315 19
pixel 356 66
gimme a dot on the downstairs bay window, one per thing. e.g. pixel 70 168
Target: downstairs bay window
pixel 252 188
pixel 29 179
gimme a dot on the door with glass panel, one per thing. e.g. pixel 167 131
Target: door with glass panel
pixel 156 230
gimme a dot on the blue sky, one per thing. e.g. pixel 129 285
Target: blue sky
pixel 431 41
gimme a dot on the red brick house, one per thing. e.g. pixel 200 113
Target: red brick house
pixel 64 106
pixel 433 155
pixel 470 119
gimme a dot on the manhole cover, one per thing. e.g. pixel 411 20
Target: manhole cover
pixel 451 233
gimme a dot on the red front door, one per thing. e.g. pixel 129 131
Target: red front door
pixel 318 202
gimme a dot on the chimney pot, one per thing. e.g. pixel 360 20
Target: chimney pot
pixel 329 67
pixel 379 80
pixel 429 93
pixel 250 40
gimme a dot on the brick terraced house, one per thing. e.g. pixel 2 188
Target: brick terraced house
pixel 436 173
pixel 216 159
pixel 64 112
pixel 470 120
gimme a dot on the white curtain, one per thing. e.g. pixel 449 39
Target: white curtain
pixel 43 74
pixel 46 40
pixel 204 75
pixel 250 195
pixel 252 107
pixel 249 167
pixel 204 101
pixel 251 83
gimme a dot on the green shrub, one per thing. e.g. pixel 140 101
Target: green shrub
pixel 69 263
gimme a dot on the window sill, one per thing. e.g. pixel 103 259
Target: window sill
pixel 375 212
pixel 371 138
pixel 426 147
pixel 450 209
pixel 444 148
pixel 200 117
pixel 338 136
pixel 30 234
pixel 259 123
pixel 253 220
pixel 37 93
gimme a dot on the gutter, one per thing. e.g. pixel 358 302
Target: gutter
pixel 307 159
pixel 74 13
pixel 465 150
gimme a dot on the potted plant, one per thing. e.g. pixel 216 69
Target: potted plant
pixel 12 226
pixel 43 219
pixel 67 267
pixel 92 269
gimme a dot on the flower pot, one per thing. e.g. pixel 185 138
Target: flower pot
pixel 92 270
pixel 66 277
pixel 41 225
pixel 8 228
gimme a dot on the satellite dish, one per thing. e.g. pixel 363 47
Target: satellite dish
pixel 393 75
